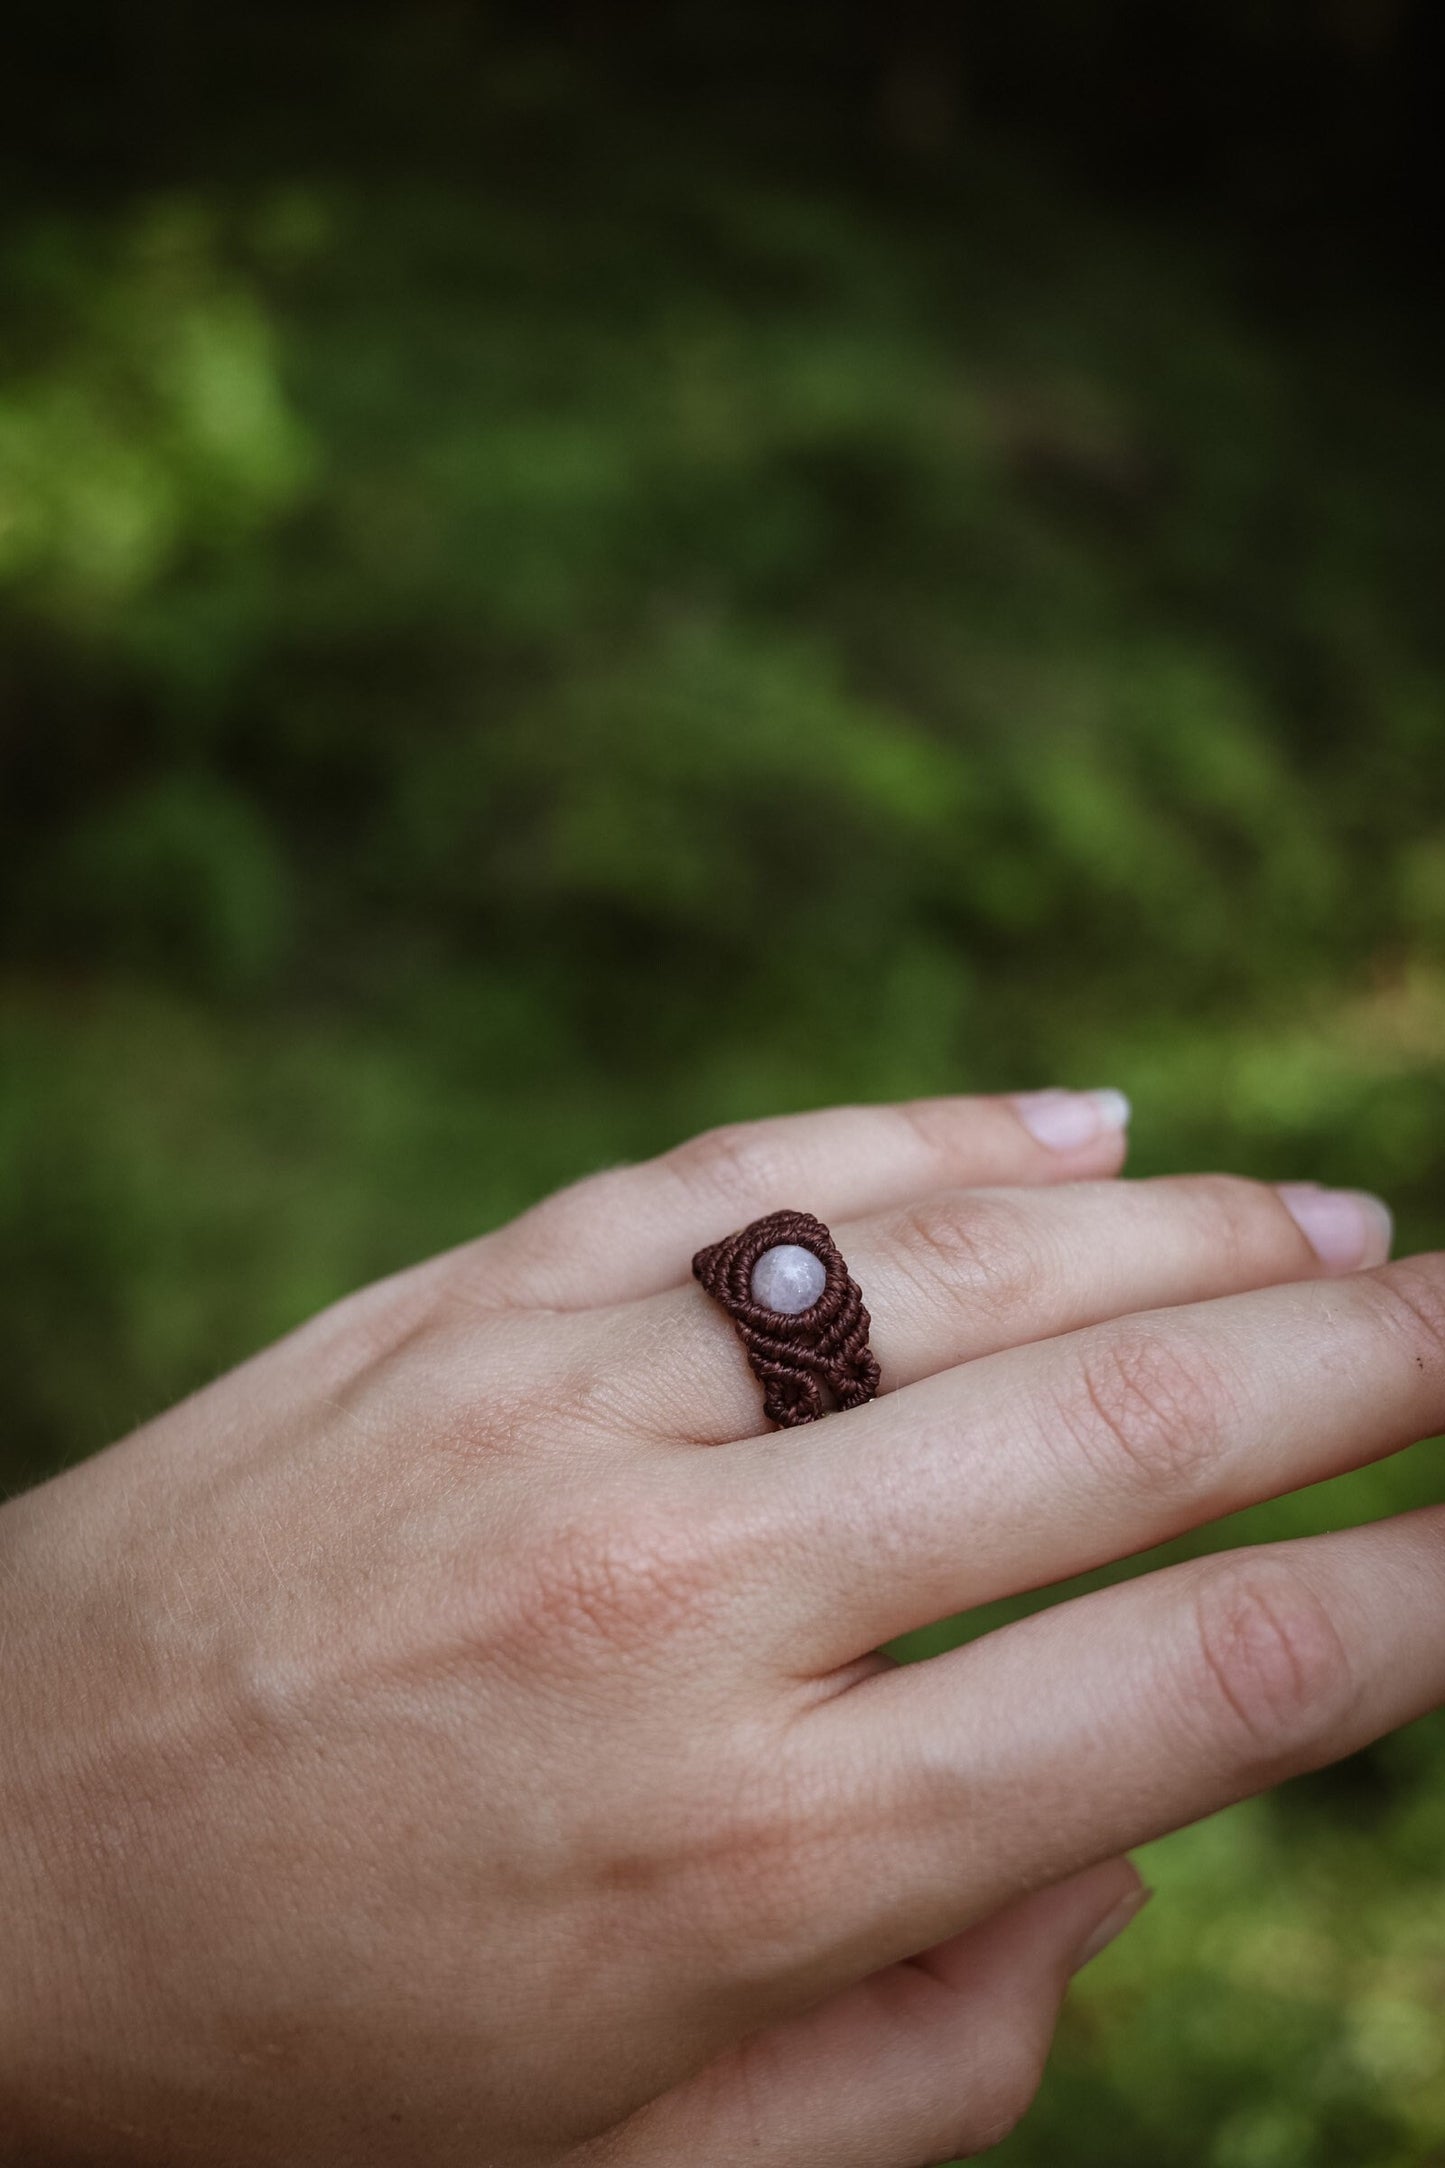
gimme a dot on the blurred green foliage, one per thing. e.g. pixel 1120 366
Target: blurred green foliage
pixel 537 616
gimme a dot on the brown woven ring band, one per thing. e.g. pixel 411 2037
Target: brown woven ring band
pixel 794 1352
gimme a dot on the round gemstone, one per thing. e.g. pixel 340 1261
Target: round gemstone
pixel 788 1279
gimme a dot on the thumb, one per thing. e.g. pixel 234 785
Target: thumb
pixel 936 2057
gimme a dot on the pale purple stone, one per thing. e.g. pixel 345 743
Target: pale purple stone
pixel 788 1279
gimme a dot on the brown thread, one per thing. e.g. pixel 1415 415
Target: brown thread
pixel 792 1357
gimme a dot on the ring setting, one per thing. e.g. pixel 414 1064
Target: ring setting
pixel 788 1279
pixel 798 1312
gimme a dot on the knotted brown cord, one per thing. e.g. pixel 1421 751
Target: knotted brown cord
pixel 793 1357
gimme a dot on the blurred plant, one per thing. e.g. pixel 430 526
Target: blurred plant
pixel 140 417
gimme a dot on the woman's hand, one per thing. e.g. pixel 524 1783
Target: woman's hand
pixel 455 1735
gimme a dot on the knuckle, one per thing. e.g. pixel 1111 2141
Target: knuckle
pixel 736 1160
pixel 1148 1408
pixel 936 1124
pixel 592 1391
pixel 1410 1297
pixel 1238 1216
pixel 969 1244
pixel 1274 1672
pixel 614 1586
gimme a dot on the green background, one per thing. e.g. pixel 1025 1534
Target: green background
pixel 568 574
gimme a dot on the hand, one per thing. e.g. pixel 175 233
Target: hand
pixel 421 1746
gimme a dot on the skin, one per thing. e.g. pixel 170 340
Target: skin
pixel 458 1735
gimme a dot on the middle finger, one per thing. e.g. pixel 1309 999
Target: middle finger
pixel 965 1272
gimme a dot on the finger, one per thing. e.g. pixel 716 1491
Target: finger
pixel 937 2056
pixel 960 1273
pixel 1039 1463
pixel 1106 1721
pixel 631 1230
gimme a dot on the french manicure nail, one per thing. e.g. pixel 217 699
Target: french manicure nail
pixel 1345 1228
pixel 1112 1925
pixel 1064 1120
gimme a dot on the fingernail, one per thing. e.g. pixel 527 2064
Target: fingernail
pixel 1346 1228
pixel 1065 1120
pixel 1112 1925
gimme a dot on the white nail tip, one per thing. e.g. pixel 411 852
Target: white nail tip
pixel 1067 1120
pixel 1114 1108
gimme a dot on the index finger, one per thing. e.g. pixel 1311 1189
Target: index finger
pixel 632 1231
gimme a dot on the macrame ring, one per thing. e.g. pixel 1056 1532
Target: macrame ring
pixel 794 1355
